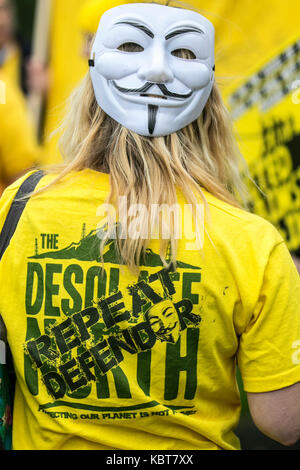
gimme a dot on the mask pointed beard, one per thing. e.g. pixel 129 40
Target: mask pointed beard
pixel 152 113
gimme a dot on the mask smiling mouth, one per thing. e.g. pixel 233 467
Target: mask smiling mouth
pixel 143 91
pixel 148 95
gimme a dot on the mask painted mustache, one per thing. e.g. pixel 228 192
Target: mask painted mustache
pixel 149 85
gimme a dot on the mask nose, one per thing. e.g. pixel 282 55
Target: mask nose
pixel 156 68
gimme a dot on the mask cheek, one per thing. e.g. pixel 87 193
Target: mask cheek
pixel 115 65
pixel 194 75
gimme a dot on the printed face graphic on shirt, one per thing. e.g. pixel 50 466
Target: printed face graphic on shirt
pixel 164 321
pixel 153 67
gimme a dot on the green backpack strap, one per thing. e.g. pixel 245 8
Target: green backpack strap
pixel 17 208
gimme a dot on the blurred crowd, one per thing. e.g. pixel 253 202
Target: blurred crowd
pixel 22 76
pixel 19 149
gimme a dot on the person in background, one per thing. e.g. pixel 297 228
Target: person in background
pixel 19 149
pixel 125 336
pixel 15 50
pixel 10 56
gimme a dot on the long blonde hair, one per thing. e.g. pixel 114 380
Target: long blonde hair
pixel 148 170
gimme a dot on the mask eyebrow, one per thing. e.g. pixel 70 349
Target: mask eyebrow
pixel 183 31
pixel 139 26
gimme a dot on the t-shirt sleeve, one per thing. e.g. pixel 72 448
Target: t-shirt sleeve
pixel 269 348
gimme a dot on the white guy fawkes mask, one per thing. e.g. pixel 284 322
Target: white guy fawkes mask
pixel 139 76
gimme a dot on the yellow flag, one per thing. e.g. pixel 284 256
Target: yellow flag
pixel 259 73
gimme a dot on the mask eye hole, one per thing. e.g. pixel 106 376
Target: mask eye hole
pixel 130 47
pixel 184 54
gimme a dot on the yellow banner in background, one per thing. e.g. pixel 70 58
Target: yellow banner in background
pixel 267 119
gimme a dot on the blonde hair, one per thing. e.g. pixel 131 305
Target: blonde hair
pixel 148 170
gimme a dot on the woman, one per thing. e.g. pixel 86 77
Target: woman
pixel 134 282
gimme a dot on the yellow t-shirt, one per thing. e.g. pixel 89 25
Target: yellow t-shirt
pixel 106 359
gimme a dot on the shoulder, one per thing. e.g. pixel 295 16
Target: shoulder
pixel 11 191
pixel 236 216
pixel 9 194
pixel 240 227
pixel 13 188
pixel 54 186
pixel 84 178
